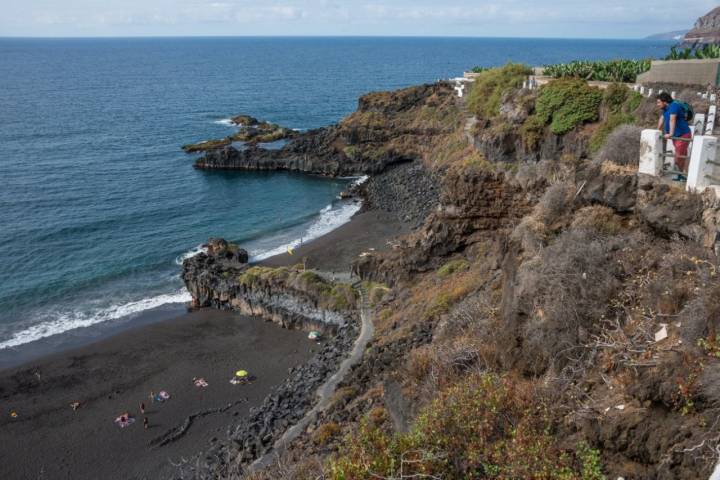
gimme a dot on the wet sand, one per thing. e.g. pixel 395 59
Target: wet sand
pixel 49 440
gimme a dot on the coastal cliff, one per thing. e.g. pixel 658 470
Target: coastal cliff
pixel 705 31
pixel 552 314
pixel 386 129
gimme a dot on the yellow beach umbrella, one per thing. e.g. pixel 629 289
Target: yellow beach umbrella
pixel 290 250
pixel 241 373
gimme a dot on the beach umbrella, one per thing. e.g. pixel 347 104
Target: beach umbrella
pixel 290 250
pixel 241 373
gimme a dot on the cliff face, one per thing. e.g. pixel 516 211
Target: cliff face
pixel 706 29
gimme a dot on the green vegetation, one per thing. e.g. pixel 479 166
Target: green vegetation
pixel 710 345
pixel 706 51
pixel 490 86
pixel 532 132
pixel 620 104
pixel 604 71
pixel 567 103
pixel 453 266
pixel 485 427
pixel 478 69
pixel 376 291
pixel 332 296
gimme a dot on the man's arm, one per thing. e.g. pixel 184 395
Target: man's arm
pixel 673 122
pixel 660 123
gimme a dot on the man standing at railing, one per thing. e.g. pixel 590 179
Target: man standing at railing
pixel 675 127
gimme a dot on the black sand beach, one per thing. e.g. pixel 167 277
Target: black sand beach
pixel 50 440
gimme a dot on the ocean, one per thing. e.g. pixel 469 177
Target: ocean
pixel 98 204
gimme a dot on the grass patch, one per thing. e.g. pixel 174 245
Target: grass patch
pixel 453 266
pixel 490 86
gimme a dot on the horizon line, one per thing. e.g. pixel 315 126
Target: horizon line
pixel 89 37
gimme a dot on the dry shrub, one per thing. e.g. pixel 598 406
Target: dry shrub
pixel 287 468
pixel 622 146
pixel 531 235
pixel 526 175
pixel 598 218
pixel 325 432
pixel 555 203
pixel 563 291
pixel 419 363
pixel 647 114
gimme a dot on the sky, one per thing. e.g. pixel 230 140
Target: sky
pixel 476 18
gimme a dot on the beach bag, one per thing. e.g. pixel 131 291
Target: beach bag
pixel 688 109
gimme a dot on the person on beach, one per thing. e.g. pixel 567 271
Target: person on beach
pixel 674 125
pixel 142 408
pixel 145 423
pixel 152 396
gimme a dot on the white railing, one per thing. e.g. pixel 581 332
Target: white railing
pixel 704 167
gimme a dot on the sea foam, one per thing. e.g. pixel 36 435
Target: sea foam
pixel 225 121
pixel 330 218
pixel 66 321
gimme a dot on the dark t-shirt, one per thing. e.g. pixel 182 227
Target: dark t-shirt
pixel 681 125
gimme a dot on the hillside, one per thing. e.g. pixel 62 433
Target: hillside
pixel 553 315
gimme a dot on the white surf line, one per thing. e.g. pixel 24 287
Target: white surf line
pixel 325 390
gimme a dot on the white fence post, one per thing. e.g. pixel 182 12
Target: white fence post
pixel 710 120
pixel 699 122
pixel 651 153
pixel 713 97
pixel 701 172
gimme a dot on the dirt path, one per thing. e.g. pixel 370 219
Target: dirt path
pixel 327 389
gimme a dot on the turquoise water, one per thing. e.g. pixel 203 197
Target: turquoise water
pixel 98 204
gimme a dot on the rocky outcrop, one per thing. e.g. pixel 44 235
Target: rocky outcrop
pixel 290 297
pixel 252 131
pixel 388 128
pixel 706 30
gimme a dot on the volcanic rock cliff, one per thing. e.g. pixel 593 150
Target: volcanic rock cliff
pixel 387 128
pixel 706 30
pixel 553 314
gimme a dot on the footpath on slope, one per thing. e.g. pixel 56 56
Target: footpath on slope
pixel 326 390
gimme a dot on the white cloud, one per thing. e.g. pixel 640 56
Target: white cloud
pixel 272 17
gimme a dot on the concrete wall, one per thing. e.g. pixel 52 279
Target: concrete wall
pixel 687 72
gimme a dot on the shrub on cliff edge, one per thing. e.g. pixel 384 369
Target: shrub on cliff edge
pixel 567 103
